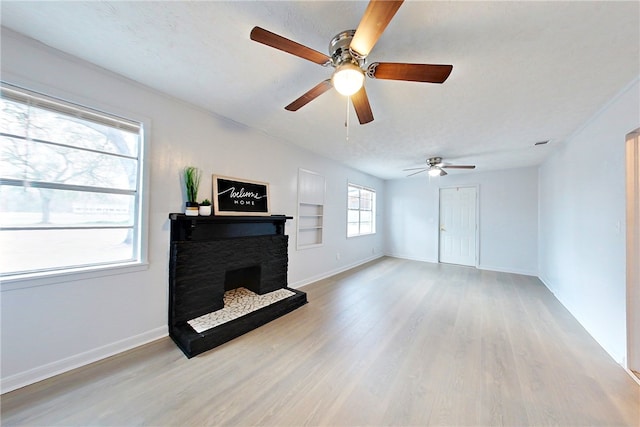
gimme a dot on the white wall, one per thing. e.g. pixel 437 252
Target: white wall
pixel 582 221
pixel 508 217
pixel 53 328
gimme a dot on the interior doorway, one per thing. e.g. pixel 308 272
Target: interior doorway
pixel 458 226
pixel 633 251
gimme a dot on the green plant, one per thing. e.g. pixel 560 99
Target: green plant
pixel 192 182
pixel 205 202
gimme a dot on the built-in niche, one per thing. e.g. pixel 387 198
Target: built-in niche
pixel 311 193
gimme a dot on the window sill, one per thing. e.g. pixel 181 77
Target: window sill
pixel 361 235
pixel 31 280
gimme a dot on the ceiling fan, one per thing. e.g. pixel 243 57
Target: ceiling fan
pixel 436 167
pixel 348 53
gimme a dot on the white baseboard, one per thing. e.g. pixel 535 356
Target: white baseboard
pixel 412 258
pixel 312 279
pixel 509 270
pixel 631 374
pixel 481 267
pixel 546 282
pixel 620 361
pixel 49 370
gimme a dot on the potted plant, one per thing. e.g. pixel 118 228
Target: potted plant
pixel 191 176
pixel 205 207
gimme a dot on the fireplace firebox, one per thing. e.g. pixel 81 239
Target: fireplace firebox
pixel 211 255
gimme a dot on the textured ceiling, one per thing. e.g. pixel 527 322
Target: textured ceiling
pixel 522 71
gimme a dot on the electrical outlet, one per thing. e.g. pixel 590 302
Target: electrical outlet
pixel 337 256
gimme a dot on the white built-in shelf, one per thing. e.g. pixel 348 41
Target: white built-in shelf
pixel 311 188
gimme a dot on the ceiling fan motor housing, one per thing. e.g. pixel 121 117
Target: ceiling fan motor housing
pixel 339 49
pixel 434 161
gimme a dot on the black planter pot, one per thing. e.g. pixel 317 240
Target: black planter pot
pixel 191 208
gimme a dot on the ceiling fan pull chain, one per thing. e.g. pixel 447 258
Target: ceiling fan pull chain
pixel 346 120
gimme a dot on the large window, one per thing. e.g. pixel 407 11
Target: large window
pixel 70 180
pixel 361 211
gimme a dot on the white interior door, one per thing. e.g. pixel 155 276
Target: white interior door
pixel 458 225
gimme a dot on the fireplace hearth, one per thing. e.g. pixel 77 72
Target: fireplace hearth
pixel 212 255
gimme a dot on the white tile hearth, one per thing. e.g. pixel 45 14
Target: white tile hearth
pixel 237 303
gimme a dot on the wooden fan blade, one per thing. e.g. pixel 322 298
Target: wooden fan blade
pixel 416 173
pixel 458 166
pixel 426 73
pixel 362 106
pixel 263 36
pixel 373 23
pixel 414 169
pixel 310 95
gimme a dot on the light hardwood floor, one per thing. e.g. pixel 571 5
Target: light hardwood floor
pixel 394 342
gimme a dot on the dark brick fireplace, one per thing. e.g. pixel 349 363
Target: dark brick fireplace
pixel 211 255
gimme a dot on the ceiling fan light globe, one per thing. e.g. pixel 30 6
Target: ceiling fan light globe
pixel 348 79
pixel 434 172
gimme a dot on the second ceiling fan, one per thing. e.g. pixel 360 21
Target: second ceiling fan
pixel 348 53
pixel 435 167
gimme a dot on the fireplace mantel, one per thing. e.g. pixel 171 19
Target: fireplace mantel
pixel 216 253
pixel 201 228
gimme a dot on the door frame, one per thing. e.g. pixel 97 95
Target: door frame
pixel 477 219
pixel 632 151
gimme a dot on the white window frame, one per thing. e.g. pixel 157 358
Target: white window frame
pixel 51 276
pixel 373 210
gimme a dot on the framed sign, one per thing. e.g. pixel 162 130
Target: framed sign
pixel 234 197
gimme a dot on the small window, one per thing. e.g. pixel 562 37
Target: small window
pixel 361 211
pixel 70 180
